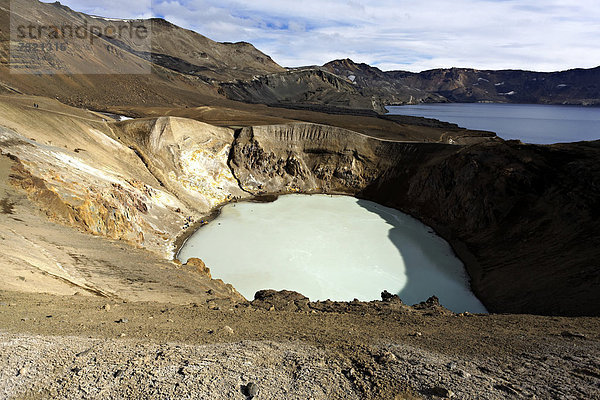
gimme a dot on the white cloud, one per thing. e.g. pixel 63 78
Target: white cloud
pixel 395 34
pixel 111 8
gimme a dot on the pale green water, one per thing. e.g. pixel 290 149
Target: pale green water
pixel 326 247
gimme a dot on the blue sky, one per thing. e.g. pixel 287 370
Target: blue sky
pixel 410 35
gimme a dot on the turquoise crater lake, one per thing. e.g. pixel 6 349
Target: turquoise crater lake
pixel 530 123
pixel 331 247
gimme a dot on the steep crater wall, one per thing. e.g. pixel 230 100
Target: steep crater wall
pixel 316 158
pixel 523 218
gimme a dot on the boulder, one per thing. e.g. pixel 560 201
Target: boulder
pixel 283 300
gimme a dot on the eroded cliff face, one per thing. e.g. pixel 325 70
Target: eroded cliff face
pixel 86 190
pixel 523 218
pixel 143 181
pixel 302 157
pixel 317 158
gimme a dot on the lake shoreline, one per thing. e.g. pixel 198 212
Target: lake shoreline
pixel 340 249
pixel 214 213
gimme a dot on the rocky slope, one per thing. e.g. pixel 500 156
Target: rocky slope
pixel 117 222
pixel 175 68
pixel 308 88
pixel 523 218
pixel 464 85
pixel 168 45
pixel 373 81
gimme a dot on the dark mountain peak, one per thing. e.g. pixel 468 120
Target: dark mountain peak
pixel 349 65
pixel 341 63
pixel 353 71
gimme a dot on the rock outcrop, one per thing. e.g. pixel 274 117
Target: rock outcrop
pixel 198 266
pixel 283 300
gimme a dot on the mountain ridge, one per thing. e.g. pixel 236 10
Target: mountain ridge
pixel 189 69
pixel 186 67
pixel 466 85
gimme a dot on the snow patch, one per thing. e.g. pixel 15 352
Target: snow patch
pixel 482 79
pixel 512 92
pixel 562 85
pixel 499 84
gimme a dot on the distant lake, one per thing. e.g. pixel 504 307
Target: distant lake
pixel 530 123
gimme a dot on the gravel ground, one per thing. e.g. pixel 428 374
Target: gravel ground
pixel 80 368
pixel 75 347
